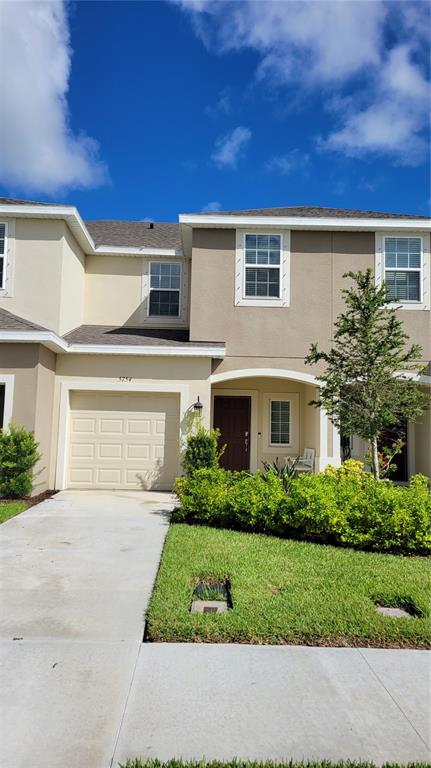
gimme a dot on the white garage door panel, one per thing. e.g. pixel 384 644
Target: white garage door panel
pixel 123 440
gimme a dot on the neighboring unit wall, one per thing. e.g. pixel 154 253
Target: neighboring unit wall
pixel 33 369
pixel 45 284
pixel 35 288
pixel 116 292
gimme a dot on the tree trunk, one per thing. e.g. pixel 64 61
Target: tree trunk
pixel 375 458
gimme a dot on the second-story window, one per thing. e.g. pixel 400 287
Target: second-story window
pixel 2 255
pixel 262 266
pixel 165 286
pixel 403 268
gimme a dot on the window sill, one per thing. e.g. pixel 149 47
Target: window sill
pixel 261 303
pixel 409 305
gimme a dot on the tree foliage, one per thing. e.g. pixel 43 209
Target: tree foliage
pixel 367 384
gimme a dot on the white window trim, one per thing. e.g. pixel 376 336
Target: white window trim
pixel 270 442
pixel 425 281
pixel 281 448
pixel 8 380
pixel 8 258
pixel 166 318
pixel 252 301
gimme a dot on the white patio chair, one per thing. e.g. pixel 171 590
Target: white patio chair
pixel 306 462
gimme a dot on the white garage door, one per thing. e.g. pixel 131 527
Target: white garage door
pixel 123 440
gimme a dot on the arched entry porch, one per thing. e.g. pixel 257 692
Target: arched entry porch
pixel 264 413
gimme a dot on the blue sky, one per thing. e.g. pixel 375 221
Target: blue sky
pixel 148 109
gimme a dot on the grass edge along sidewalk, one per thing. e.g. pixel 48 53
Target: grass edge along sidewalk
pixel 288 592
pixel 137 763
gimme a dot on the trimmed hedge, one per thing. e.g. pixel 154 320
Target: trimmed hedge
pixel 344 506
pixel 18 456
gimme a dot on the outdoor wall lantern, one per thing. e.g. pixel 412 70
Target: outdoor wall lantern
pixel 197 407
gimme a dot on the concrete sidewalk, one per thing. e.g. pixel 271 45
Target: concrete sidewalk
pixel 278 703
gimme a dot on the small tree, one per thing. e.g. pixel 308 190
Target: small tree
pixel 202 449
pixel 18 456
pixel 366 385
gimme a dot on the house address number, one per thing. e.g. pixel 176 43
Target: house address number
pixel 124 378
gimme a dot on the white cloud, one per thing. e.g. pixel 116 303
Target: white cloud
pixel 315 41
pixel 377 94
pixel 38 150
pixel 292 162
pixel 393 124
pixel 230 148
pixel 212 207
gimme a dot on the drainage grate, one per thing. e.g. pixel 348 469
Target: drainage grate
pixel 211 595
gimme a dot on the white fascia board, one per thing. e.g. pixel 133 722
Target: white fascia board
pixel 68 213
pixel 114 250
pixel 57 344
pixel 302 222
pixel 71 216
pixel 154 351
pixel 48 338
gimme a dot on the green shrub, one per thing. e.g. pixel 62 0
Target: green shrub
pixel 202 451
pixel 286 472
pixel 344 506
pixel 229 499
pixel 18 456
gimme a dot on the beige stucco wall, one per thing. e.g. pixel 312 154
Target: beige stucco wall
pixel 116 292
pixel 36 282
pixel 284 335
pixel 72 284
pixel 46 274
pixel 33 368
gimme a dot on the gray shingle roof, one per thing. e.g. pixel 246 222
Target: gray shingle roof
pixel 136 234
pixel 16 201
pixel 317 212
pixel 109 334
pixel 10 322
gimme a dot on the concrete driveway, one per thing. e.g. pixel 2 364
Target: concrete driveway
pixel 76 577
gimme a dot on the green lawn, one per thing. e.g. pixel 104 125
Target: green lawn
pixel 287 592
pixel 266 764
pixel 11 508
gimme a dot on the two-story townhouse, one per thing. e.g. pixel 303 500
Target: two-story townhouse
pixel 112 332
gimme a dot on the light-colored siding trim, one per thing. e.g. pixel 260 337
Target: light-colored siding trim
pixel 8 379
pixel 8 259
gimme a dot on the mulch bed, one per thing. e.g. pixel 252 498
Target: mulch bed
pixel 31 500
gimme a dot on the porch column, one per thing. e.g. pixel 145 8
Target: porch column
pixel 329 450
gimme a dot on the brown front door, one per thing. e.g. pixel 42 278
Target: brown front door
pixel 232 418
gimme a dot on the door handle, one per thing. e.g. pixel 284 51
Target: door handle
pixel 246 441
